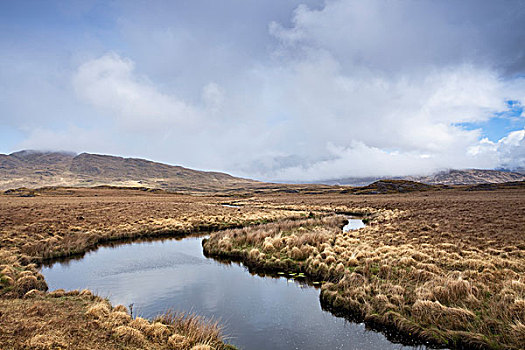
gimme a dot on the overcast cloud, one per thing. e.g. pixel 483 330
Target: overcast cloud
pixel 273 90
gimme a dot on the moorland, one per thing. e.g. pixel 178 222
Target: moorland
pixel 439 264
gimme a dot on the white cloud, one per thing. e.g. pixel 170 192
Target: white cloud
pixel 71 138
pixel 213 97
pixel 306 120
pixel 402 36
pixel 348 88
pixel 110 83
pixel 511 150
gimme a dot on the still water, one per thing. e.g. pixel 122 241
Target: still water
pixel 353 224
pixel 257 312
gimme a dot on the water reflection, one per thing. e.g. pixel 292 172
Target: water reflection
pixel 353 224
pixel 258 312
pixel 230 205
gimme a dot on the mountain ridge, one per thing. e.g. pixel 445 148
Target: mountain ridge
pixel 445 177
pixel 33 169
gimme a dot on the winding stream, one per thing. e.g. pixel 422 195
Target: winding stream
pixel 257 312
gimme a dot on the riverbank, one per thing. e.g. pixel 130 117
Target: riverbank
pixel 446 269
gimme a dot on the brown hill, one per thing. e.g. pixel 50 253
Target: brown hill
pixel 37 169
pixel 392 186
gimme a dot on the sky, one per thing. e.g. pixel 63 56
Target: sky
pixel 272 90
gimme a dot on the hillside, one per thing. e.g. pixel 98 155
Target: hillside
pixel 448 177
pixel 37 169
pixel 34 169
pixel 469 177
pixel 392 186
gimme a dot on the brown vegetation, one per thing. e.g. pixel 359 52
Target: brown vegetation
pixel 73 320
pixel 446 267
pixel 442 265
pixel 65 221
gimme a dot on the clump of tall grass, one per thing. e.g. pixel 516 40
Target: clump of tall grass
pixel 47 342
pixel 194 328
pixel 172 329
pixel 129 335
pixel 431 313
pixel 99 310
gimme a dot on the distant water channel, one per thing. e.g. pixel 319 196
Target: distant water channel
pixel 353 224
pixel 257 312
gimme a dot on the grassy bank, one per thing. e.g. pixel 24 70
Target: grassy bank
pixel 79 320
pixel 407 270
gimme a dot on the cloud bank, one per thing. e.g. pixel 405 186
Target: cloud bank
pixel 325 90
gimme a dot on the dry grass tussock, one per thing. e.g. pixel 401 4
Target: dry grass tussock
pixel 198 332
pixel 440 271
pixel 168 331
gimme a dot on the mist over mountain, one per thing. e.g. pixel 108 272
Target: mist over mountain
pixel 448 177
pixel 34 169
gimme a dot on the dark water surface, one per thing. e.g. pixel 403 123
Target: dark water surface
pixel 257 312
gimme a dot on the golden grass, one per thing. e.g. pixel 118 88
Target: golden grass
pixel 453 256
pixel 74 321
pixel 196 330
pixel 60 223
pixel 129 335
pixel 446 268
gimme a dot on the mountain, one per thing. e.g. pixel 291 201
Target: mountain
pixel 391 186
pixel 37 169
pixel 520 170
pixel 448 177
pixel 469 177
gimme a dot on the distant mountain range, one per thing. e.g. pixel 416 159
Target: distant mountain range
pixel 37 169
pixel 34 169
pixel 449 177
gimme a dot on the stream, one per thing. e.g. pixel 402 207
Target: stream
pixel 256 312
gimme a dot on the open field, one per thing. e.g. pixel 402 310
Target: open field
pixel 442 265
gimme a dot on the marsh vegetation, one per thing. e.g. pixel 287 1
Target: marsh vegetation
pixel 444 266
pixel 442 271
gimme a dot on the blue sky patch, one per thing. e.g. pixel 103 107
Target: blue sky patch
pixel 501 124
